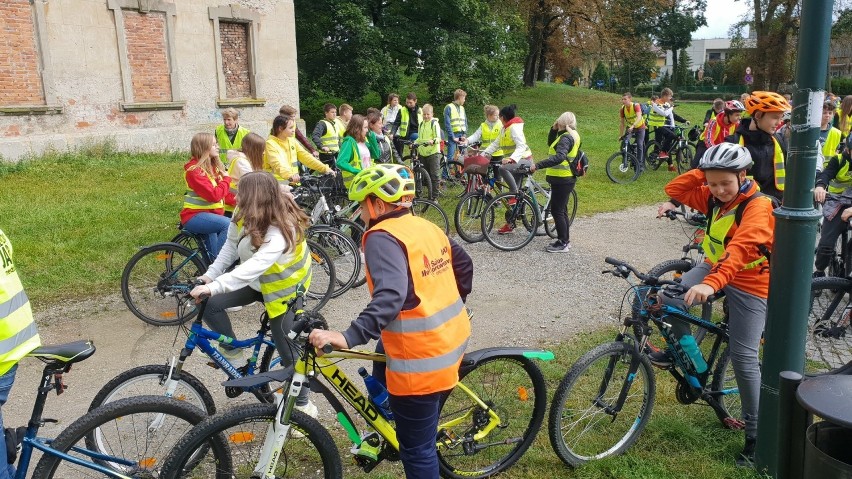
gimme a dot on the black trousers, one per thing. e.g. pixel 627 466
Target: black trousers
pixel 831 230
pixel 559 193
pixel 664 135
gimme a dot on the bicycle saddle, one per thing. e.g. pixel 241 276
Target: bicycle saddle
pixel 65 353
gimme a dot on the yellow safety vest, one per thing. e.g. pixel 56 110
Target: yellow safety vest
pixel 507 144
pixel 233 186
pixel 18 332
pixel 404 118
pixel 192 200
pixel 842 180
pixel 331 139
pixel 458 118
pixel 489 134
pixel 716 238
pixel 563 170
pixel 225 142
pixel 354 162
pixel 630 115
pixel 655 120
pixel 428 134
pixel 283 280
pixel 829 148
pixel 845 130
pixel 777 163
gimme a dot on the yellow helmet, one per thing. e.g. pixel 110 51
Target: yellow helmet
pixel 387 182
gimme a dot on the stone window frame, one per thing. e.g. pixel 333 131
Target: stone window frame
pixel 145 6
pixel 51 105
pixel 236 14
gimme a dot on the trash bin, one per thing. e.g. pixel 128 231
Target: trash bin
pixel 828 454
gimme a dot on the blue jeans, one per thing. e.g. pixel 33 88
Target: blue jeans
pixel 417 429
pixel 214 229
pixel 7 471
pixel 452 145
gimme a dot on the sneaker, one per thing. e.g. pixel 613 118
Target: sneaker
pixel 661 359
pixel 505 229
pixel 555 243
pixel 672 168
pixel 662 155
pixel 370 447
pixel 234 309
pixel 746 457
pixel 559 247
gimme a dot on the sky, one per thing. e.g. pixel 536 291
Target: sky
pixel 721 14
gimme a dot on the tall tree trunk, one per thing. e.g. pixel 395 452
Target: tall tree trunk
pixel 675 71
pixel 542 64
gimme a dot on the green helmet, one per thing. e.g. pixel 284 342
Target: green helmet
pixel 387 182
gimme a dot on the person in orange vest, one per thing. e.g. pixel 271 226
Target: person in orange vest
pixel 418 280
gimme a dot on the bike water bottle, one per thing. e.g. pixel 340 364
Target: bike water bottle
pixel 378 394
pixel 690 347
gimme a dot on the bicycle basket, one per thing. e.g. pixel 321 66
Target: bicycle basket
pixel 476 164
pixel 693 134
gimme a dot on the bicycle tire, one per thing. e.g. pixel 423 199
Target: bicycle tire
pixel 431 211
pixel 193 243
pixel 684 159
pixel 190 390
pixel 355 232
pixel 343 252
pixel 587 385
pixel 652 155
pixel 468 216
pixel 247 427
pixel 546 219
pixel 322 278
pixel 515 388
pixel 91 431
pixel 454 181
pixel 155 283
pixel 423 187
pixel 828 349
pixel 622 168
pixel 523 212
pixel 573 204
pixel 550 225
pixel 724 380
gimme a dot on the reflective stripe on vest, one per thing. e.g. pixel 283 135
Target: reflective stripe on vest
pixel 655 119
pixel 507 144
pixel 225 142
pixel 832 142
pixel 424 345
pixel 717 236
pixel 330 139
pixel 630 118
pixel 458 117
pixel 428 134
pixel 18 331
pixel 777 163
pixel 489 134
pixel 563 170
pixel 842 180
pixel 405 118
pixel 282 281
pixel 192 200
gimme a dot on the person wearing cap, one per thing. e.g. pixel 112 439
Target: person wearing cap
pixel 418 280
pixel 737 246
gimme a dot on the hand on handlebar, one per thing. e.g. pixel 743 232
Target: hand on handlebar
pixel 200 292
pixel 819 194
pixel 320 337
pixel 846 215
pixel 665 208
pixel 698 294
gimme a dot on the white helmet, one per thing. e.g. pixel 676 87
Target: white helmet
pixel 726 156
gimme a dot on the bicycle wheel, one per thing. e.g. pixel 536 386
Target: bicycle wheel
pixel 151 379
pixel 829 341
pixel 355 232
pixel 547 226
pixel 521 222
pixel 725 382
pixel 432 211
pixel 671 270
pixel 140 430
pixel 468 216
pixel 323 279
pixel 573 203
pixel 453 180
pixel 513 387
pixel 622 169
pixel 156 282
pixel 684 158
pixel 582 425
pixel 343 252
pixel 652 155
pixel 314 455
pixel 423 187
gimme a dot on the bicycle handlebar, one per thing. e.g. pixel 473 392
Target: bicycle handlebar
pixel 623 269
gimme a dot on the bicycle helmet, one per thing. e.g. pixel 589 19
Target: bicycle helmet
pixel 767 101
pixel 726 156
pixel 733 106
pixel 786 116
pixel 387 182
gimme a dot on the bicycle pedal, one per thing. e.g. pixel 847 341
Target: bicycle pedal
pixel 734 423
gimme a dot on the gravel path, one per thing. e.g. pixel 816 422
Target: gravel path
pixel 527 297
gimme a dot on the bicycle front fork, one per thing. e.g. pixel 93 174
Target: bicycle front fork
pixel 276 433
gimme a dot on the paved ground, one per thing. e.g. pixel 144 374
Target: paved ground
pixel 527 297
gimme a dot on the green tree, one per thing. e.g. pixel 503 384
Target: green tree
pixel 600 73
pixel 715 69
pixel 674 27
pixel 843 25
pixel 683 75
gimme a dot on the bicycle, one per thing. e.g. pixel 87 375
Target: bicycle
pixel 171 380
pixel 624 166
pixel 156 282
pixel 423 186
pixel 115 441
pixel 482 180
pixel 828 348
pixel 606 398
pixel 682 151
pixel 486 423
pixel 452 180
pixel 530 206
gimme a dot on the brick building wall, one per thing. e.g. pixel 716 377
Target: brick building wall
pixel 147 55
pixel 20 82
pixel 235 58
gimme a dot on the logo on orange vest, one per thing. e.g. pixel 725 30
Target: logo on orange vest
pixel 436 266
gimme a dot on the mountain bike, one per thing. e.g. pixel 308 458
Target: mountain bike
pixel 452 182
pixel 606 398
pixel 624 166
pixel 482 183
pixel 423 186
pixel 681 150
pixel 523 212
pixel 156 282
pixel 115 441
pixel 828 349
pixel 486 423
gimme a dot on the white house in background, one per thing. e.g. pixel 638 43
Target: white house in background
pixel 701 51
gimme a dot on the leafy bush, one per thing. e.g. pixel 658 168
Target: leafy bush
pixel 841 86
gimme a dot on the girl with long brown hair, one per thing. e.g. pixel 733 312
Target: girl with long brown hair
pixel 358 149
pixel 247 159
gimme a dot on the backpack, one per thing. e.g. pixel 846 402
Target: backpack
pixel 580 164
pixel 646 109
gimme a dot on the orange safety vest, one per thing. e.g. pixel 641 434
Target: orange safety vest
pixel 425 344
